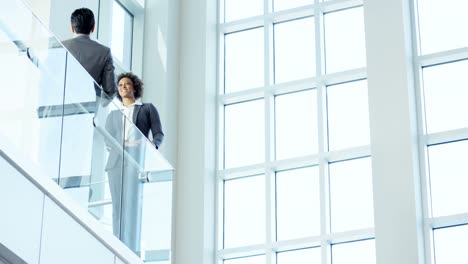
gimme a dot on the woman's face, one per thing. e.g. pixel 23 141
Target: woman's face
pixel 126 88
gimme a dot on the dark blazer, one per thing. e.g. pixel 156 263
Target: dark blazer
pixel 145 117
pixel 96 59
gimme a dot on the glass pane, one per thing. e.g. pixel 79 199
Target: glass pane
pixel 105 219
pixel 448 178
pixel 244 134
pixel 239 9
pixel 302 256
pixel 348 115
pixel 297 136
pixel 441 24
pixel 244 60
pixel 244 211
pixel 450 245
pixel 79 108
pixel 80 87
pixel 157 216
pixel 362 252
pixel 298 203
pixel 286 4
pixel 445 96
pixel 131 199
pixel 345 47
pixel 294 50
pixel 106 167
pixel 77 148
pixel 247 260
pixel 351 200
pixel 122 34
pixel 83 154
pixel 34 73
pixel 138 206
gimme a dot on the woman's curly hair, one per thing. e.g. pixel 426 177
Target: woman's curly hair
pixel 137 84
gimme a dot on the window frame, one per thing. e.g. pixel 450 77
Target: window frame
pixel 121 64
pixel 271 166
pixel 426 139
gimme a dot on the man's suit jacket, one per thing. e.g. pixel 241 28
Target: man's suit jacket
pixel 96 59
pixel 145 117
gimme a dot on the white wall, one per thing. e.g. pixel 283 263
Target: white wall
pixel 41 8
pixel 160 68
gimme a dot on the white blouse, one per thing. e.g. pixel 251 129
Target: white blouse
pixel 128 112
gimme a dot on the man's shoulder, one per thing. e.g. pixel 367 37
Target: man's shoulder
pixel 67 42
pixel 79 42
pixel 97 43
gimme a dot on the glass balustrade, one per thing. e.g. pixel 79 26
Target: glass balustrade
pixel 54 126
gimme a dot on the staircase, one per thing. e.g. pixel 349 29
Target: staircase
pixel 55 204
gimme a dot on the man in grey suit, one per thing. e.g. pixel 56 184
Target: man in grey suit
pixel 96 59
pixel 93 56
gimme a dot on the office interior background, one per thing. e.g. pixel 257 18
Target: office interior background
pixel 302 131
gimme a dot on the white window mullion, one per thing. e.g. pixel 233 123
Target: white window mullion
pixel 443 57
pixel 219 239
pixel 422 141
pixel 219 218
pixel 444 137
pixel 423 162
pixel 270 233
pixel 444 221
pixel 322 133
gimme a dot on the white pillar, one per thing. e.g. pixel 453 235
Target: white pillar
pixel 195 171
pixel 392 107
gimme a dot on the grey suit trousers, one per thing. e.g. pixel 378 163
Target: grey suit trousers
pixel 127 200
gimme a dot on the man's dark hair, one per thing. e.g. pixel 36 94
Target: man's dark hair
pixel 137 84
pixel 82 20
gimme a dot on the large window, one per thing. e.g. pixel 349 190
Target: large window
pixel 294 170
pixel 441 65
pixel 122 35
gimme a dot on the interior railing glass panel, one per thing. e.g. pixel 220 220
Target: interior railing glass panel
pixel 54 125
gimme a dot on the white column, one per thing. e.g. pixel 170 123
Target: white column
pixel 195 171
pixel 392 107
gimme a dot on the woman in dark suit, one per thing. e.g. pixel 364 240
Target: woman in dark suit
pixel 123 171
